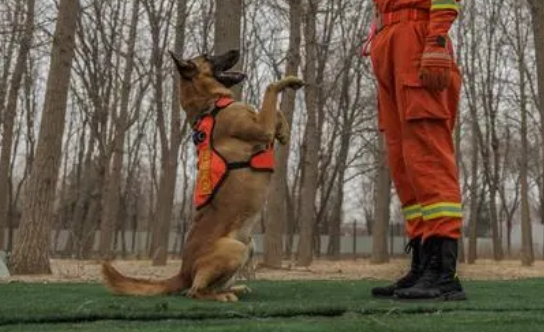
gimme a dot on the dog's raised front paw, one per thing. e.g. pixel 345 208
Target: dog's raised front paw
pixel 292 82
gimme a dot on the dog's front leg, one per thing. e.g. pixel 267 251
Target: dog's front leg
pixel 283 131
pixel 267 117
pixel 267 124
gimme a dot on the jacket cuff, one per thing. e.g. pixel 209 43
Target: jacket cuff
pixel 443 14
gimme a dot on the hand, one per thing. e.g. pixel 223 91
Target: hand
pixel 436 63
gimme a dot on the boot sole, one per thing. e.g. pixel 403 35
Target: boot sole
pixel 446 297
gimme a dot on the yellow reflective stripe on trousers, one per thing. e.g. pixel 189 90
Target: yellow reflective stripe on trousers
pixel 442 209
pixel 445 4
pixel 412 212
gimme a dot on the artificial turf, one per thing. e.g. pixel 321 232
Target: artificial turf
pixel 272 306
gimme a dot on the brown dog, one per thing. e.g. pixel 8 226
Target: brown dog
pixel 219 243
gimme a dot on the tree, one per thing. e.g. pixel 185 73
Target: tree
pixel 469 70
pixel 519 45
pixel 112 188
pixel 228 30
pixel 310 153
pixel 9 116
pixel 346 118
pixel 383 200
pixel 169 150
pixel 31 252
pixel 276 212
pixel 537 13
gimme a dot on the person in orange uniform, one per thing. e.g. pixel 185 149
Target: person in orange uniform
pixel 419 89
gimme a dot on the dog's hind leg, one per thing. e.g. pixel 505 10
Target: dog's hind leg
pixel 216 269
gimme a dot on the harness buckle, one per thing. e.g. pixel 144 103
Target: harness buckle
pixel 198 137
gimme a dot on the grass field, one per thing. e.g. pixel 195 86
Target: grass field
pixel 273 306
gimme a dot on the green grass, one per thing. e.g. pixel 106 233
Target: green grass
pixel 273 306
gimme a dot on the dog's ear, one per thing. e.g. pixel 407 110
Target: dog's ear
pixel 186 69
pixel 225 61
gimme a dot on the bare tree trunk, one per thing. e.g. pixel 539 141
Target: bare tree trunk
pixel 227 32
pixel 498 253
pixel 347 117
pixel 383 200
pixel 470 69
pixel 527 253
pixel 8 55
pixel 537 11
pixel 473 221
pixel 167 186
pixel 31 252
pixel 276 214
pixel 334 227
pixel 112 194
pixel 310 154
pixel 9 116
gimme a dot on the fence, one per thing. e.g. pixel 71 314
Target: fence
pixel 360 246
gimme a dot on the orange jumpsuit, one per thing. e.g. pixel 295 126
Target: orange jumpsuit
pixel 418 123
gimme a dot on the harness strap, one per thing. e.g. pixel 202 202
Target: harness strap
pixel 219 105
pixel 238 165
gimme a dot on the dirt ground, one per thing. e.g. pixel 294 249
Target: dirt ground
pixel 88 271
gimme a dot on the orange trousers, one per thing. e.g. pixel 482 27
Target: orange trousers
pixel 418 126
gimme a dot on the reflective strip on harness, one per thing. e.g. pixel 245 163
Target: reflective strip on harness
pixel 205 171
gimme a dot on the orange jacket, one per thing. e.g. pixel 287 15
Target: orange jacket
pixel 443 12
pixel 213 168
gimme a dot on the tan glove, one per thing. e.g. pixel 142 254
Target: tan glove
pixel 436 63
pixel 437 58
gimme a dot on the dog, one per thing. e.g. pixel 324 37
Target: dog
pixel 238 140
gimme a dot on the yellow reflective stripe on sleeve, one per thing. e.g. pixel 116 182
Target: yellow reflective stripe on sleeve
pixel 442 209
pixel 445 4
pixel 412 212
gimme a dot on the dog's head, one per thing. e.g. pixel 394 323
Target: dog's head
pixel 206 67
pixel 205 77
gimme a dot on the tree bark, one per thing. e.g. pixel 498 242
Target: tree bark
pixel 469 73
pixel 227 32
pixel 537 11
pixel 473 221
pixel 31 252
pixel 276 214
pixel 527 253
pixel 167 185
pixel 111 197
pixel 347 117
pixel 383 201
pixel 9 116
pixel 310 153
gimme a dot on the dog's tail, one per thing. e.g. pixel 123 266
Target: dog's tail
pixel 120 284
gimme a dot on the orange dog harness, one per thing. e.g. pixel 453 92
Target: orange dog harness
pixel 213 168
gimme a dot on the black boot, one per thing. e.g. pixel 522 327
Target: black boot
pixel 439 280
pixel 410 278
